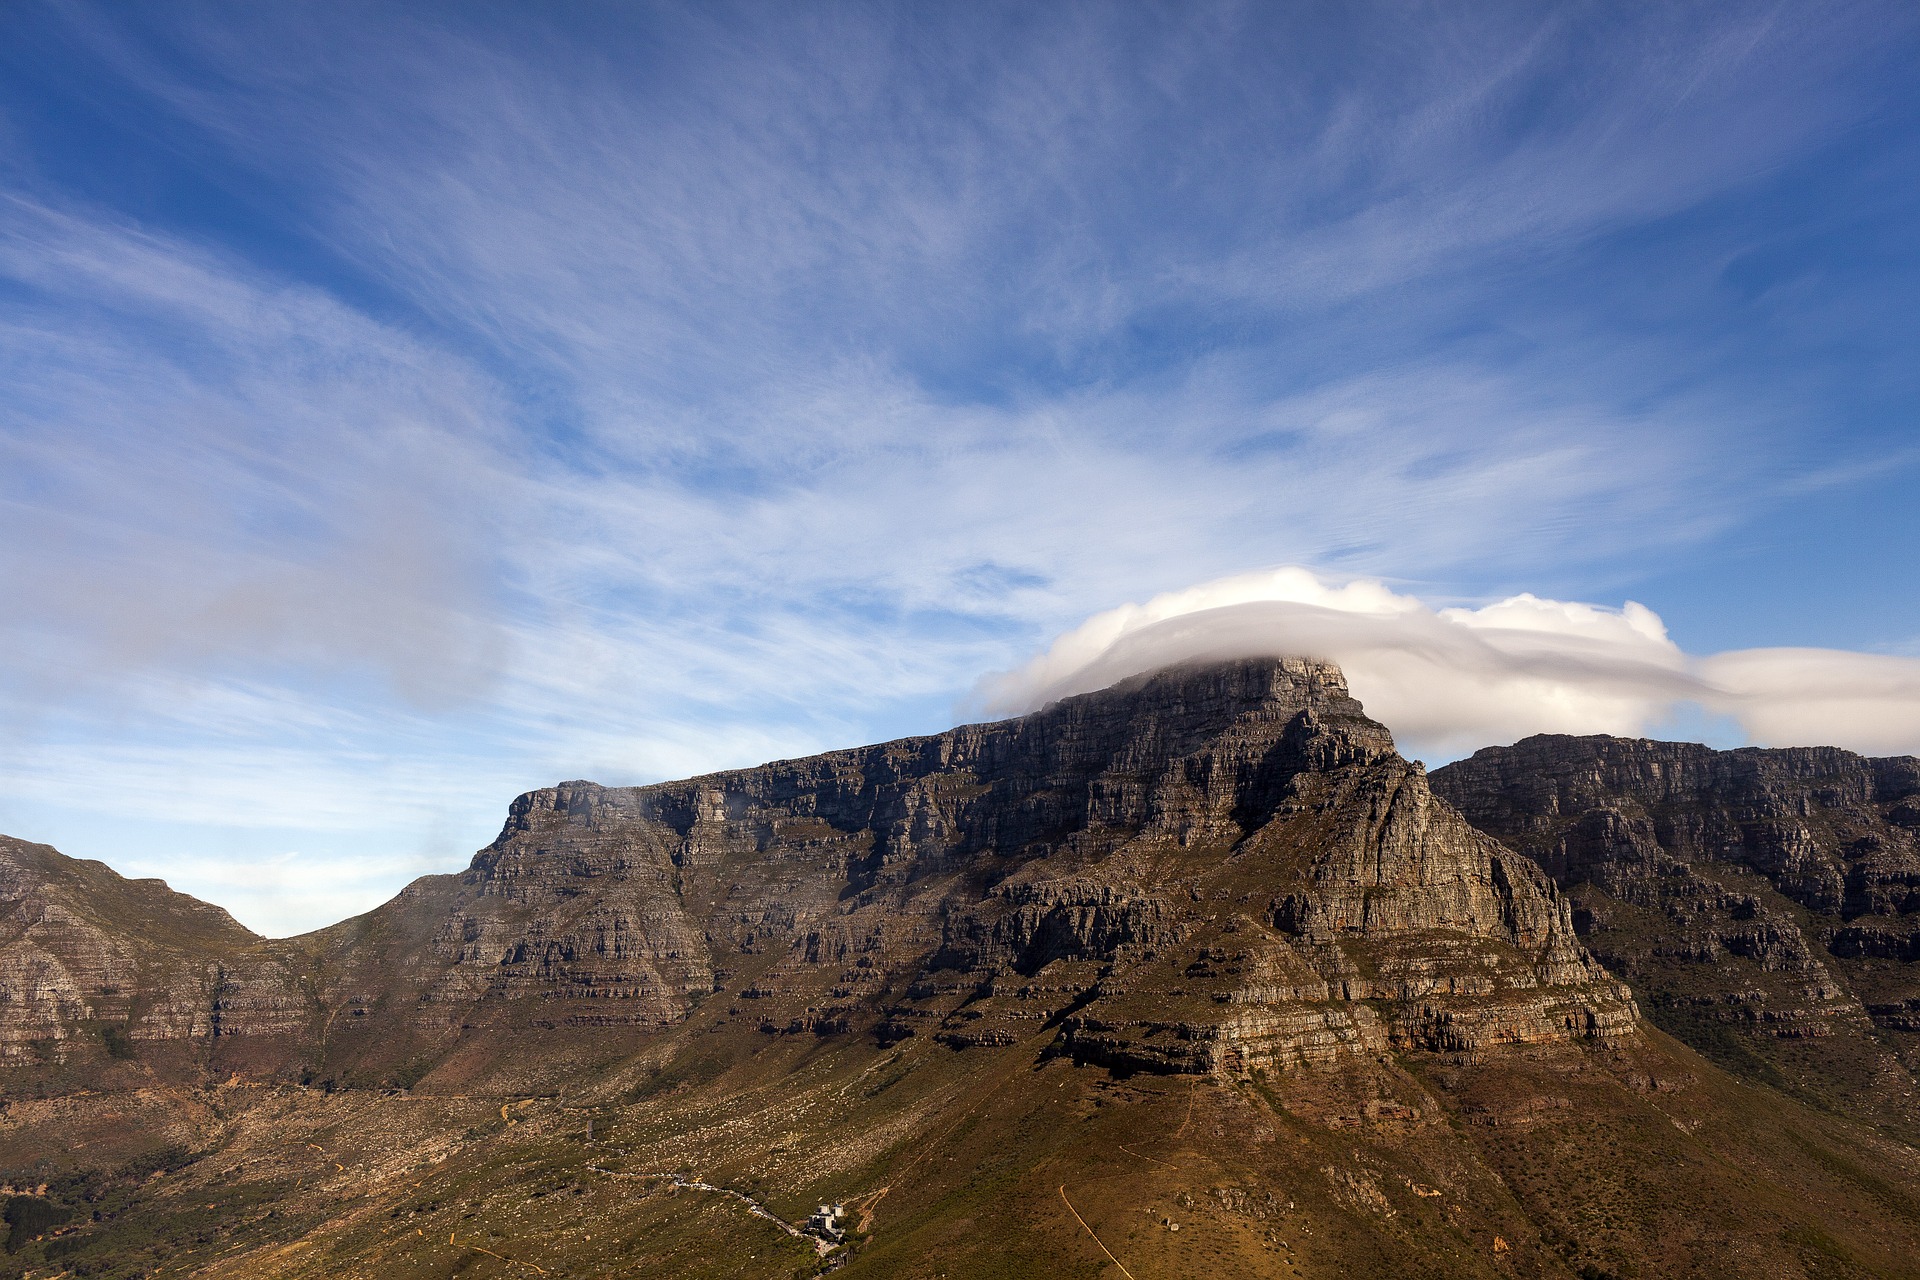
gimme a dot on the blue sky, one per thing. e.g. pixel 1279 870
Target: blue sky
pixel 402 407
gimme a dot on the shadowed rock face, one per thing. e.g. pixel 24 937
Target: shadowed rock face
pixel 1206 869
pixel 1764 903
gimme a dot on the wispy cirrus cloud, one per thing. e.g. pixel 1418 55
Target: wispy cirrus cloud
pixel 213 466
pixel 632 392
pixel 295 571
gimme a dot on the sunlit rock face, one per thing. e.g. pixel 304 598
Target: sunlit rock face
pixel 1204 869
pixel 96 967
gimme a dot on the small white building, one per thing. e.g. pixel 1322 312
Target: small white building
pixel 825 1222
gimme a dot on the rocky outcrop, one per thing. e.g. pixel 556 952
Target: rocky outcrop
pixel 97 967
pixel 1069 870
pixel 1764 903
pixel 1210 868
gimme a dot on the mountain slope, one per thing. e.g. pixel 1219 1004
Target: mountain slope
pixel 99 970
pixel 1195 974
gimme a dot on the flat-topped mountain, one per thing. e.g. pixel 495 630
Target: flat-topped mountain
pixel 1192 974
pixel 1205 869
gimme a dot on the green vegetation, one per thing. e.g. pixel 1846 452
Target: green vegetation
pixel 30 1216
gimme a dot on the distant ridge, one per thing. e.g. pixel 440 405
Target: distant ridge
pixel 1764 903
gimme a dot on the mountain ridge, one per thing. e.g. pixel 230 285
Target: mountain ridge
pixel 1200 949
pixel 958 859
pixel 1764 901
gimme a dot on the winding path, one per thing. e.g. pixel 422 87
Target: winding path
pixel 820 1246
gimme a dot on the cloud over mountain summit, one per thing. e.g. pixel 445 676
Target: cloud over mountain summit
pixel 1450 679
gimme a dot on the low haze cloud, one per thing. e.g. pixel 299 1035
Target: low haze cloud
pixel 214 470
pixel 1448 680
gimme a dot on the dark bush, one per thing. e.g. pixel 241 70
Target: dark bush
pixel 119 1041
pixel 29 1216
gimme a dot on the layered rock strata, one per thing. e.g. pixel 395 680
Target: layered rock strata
pixel 96 966
pixel 1211 868
pixel 1771 896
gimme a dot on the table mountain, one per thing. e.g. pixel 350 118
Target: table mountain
pixel 1195 974
pixel 1216 868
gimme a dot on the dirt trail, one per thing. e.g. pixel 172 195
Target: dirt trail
pixel 1141 1155
pixel 1192 1093
pixel 1090 1231
pixel 820 1246
pixel 867 1204
pixel 518 1262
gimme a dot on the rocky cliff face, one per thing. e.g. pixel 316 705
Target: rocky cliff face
pixel 1207 869
pixel 888 978
pixel 1764 903
pixel 97 967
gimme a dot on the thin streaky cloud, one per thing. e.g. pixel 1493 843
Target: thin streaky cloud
pixel 640 391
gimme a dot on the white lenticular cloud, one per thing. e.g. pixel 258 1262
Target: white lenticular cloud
pixel 1867 701
pixel 1449 680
